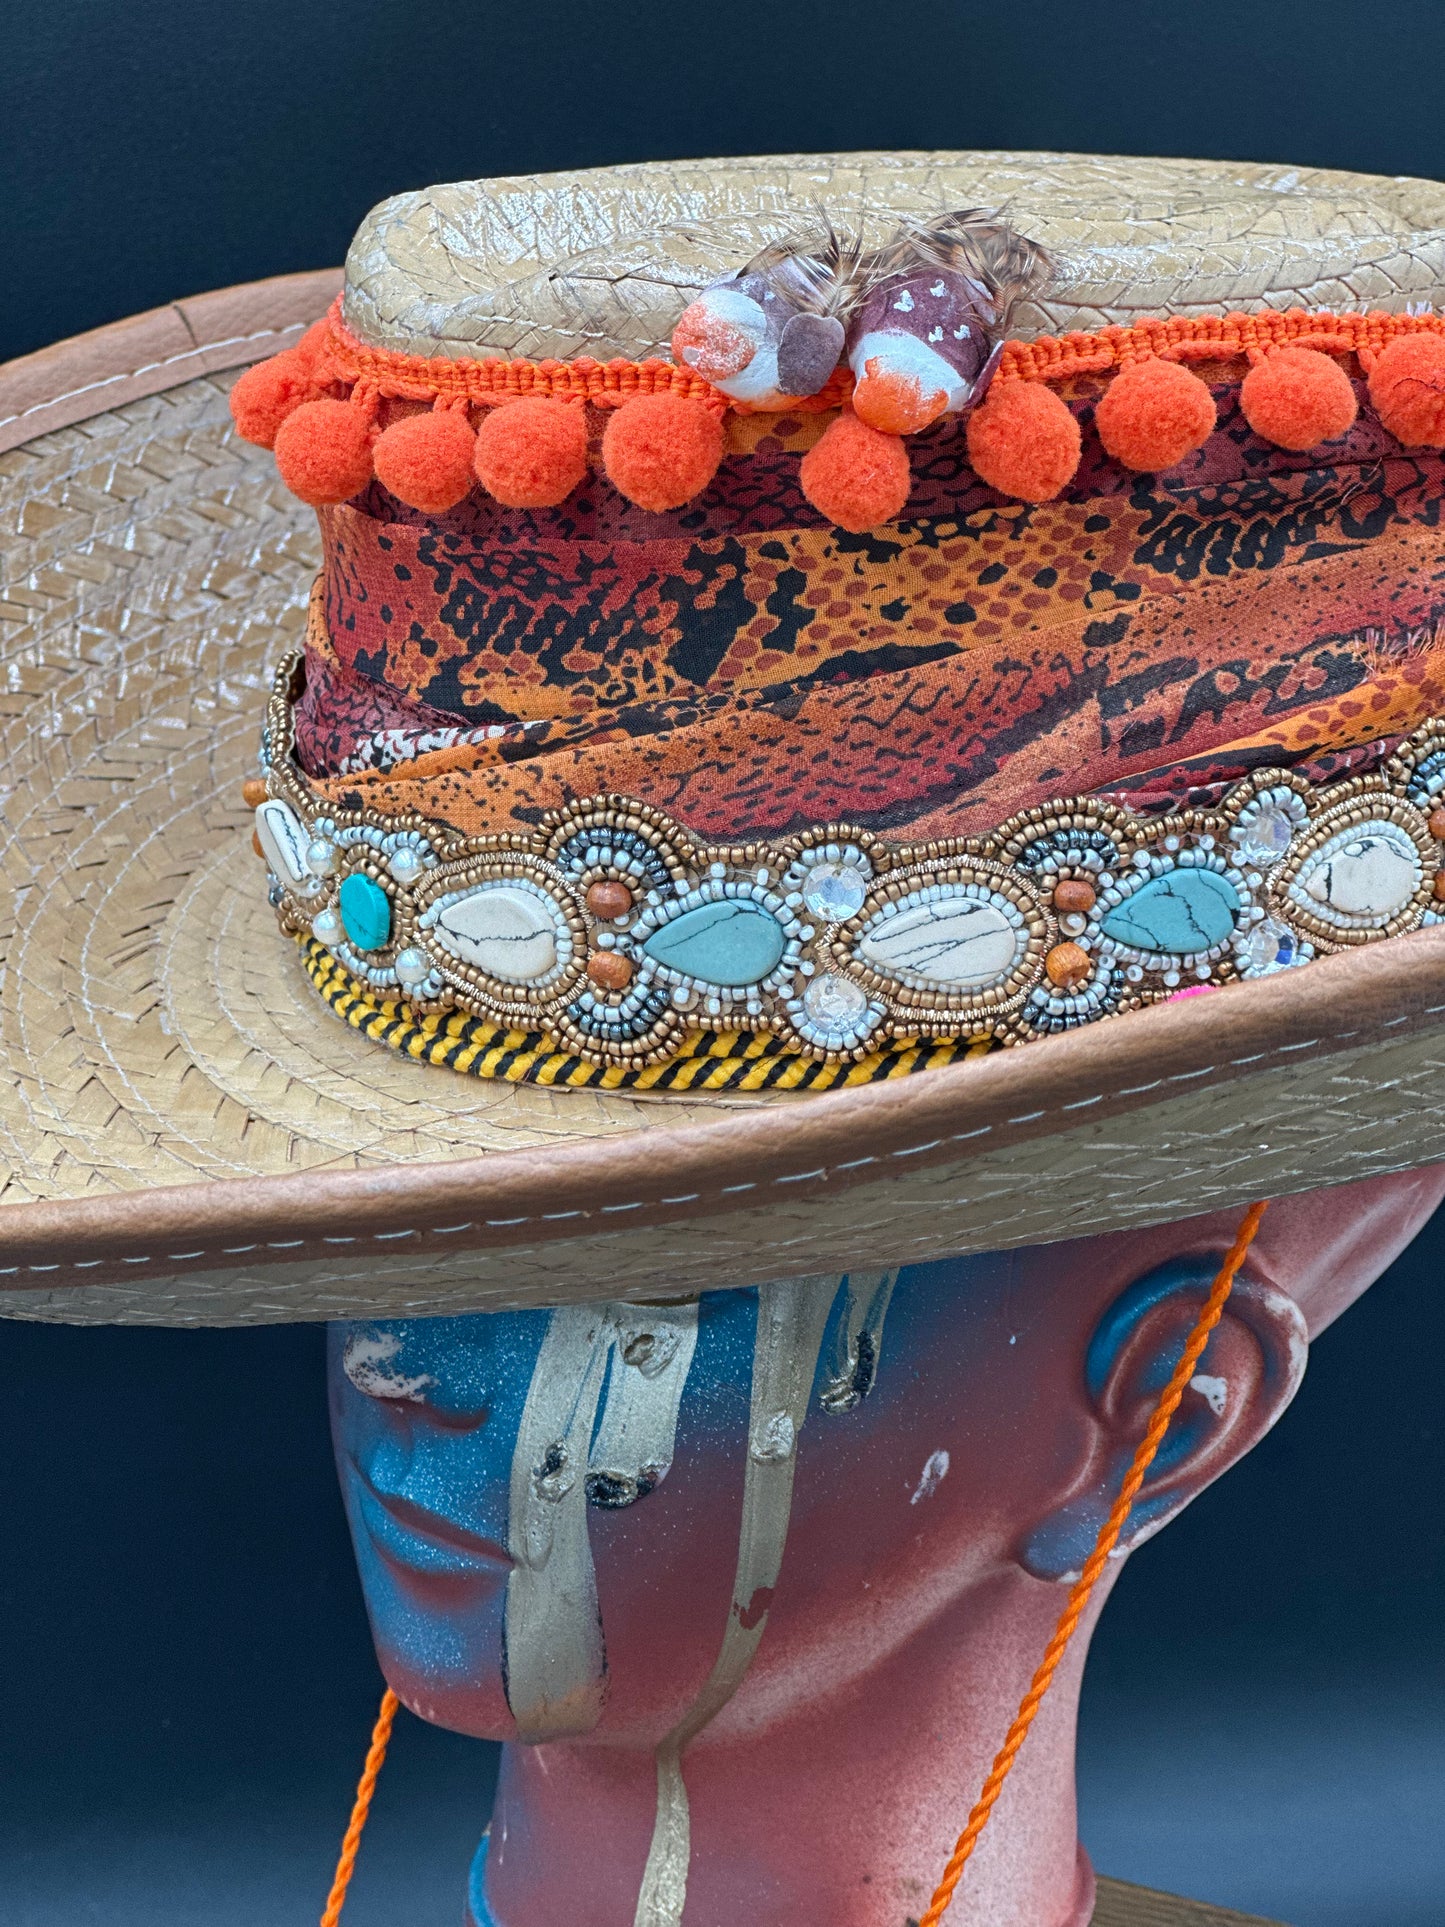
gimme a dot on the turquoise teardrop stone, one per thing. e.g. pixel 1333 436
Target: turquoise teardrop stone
pixel 1177 914
pixel 731 943
pixel 365 912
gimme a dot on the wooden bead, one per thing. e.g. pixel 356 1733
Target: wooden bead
pixel 1436 823
pixel 608 900
pixel 253 791
pixel 609 971
pixel 1440 886
pixel 256 846
pixel 1073 896
pixel 1068 966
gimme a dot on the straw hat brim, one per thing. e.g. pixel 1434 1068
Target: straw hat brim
pixel 191 1137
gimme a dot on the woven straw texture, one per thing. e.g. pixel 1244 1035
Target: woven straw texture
pixel 189 1136
pixel 601 262
pixel 1302 1121
pixel 1120 1905
pixel 158 1027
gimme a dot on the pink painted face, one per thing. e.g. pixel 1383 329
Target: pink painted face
pixel 558 1521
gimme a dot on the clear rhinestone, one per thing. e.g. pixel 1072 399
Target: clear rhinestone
pixel 1269 946
pixel 834 1003
pixel 1265 837
pixel 835 891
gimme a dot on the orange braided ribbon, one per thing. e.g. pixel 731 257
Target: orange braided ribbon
pixel 1209 337
pixel 361 1807
pixel 1083 1587
pixel 1049 358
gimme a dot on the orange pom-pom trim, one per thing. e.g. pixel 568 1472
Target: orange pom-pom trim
pixel 266 394
pixel 1024 441
pixel 532 454
pixel 661 450
pixel 426 460
pixel 1298 397
pixel 323 451
pixel 1407 387
pixel 315 342
pixel 1153 414
pixel 659 460
pixel 856 476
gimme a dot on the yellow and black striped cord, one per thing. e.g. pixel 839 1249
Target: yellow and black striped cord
pixel 707 1060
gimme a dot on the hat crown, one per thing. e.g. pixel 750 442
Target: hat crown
pixel 601 261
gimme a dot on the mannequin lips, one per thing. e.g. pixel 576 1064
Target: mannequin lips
pixel 409 1536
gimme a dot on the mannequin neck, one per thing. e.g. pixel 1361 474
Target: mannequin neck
pixel 813 1801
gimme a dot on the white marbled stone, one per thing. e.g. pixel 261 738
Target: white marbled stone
pixel 504 929
pixel 284 841
pixel 961 942
pixel 1366 874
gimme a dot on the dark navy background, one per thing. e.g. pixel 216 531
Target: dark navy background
pixel 187 1679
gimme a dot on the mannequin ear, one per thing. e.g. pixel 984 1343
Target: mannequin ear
pixel 1250 1371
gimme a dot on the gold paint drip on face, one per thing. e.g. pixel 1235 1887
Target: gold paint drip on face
pixel 792 1318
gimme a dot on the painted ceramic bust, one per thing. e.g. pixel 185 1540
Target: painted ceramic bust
pixel 547 1512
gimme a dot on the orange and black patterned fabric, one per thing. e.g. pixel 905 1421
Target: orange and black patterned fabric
pixel 752 670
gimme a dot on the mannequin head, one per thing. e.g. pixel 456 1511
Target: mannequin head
pixel 547 1562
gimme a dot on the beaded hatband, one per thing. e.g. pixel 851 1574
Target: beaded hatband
pixel 615 933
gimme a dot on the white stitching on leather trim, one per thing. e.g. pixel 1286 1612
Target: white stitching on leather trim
pixel 148 368
pixel 794 1177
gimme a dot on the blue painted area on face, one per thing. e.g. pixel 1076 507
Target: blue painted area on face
pixel 425 1461
pixel 1114 1329
pixel 425 1466
pixel 1062 1542
pixel 478 1912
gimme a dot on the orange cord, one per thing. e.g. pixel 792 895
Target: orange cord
pixel 1084 1585
pixel 1078 1599
pixel 366 1787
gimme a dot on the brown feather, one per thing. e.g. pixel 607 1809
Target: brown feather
pixel 976 243
pixel 819 273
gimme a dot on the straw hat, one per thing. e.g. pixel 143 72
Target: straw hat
pixel 190 1134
